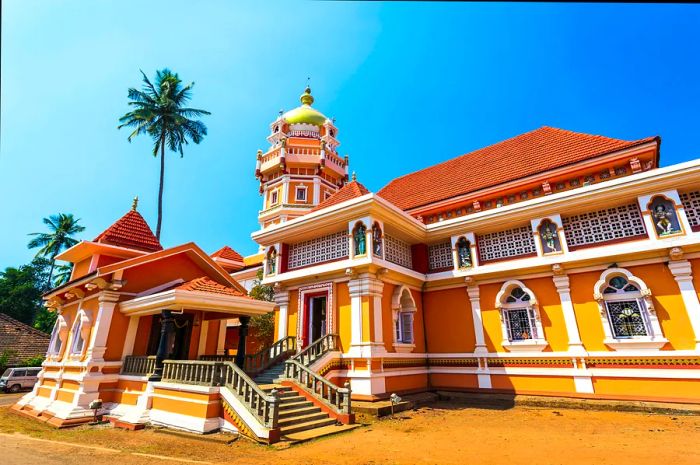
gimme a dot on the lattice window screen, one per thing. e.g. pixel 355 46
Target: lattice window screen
pixel 440 256
pixel 319 250
pixel 505 244
pixel 397 251
pixel 603 225
pixel 691 204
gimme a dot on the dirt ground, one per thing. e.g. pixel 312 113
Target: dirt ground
pixel 442 434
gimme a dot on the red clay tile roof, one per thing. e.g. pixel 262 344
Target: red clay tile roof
pixel 534 152
pixel 205 284
pixel 228 253
pixel 351 190
pixel 21 339
pixel 130 231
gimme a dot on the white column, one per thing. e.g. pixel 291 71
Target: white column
pixel 282 300
pixel 317 191
pixel 377 310
pixel 203 333
pixel 100 331
pixel 473 292
pixel 561 282
pixel 483 376
pixel 364 344
pixel 683 273
pixel 221 341
pixel 130 336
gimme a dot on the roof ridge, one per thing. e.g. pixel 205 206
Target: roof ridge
pixel 339 196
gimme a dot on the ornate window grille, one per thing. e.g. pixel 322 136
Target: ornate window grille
pixel 506 244
pixel 520 323
pixel 319 250
pixel 440 256
pixel 603 226
pixel 625 312
pixel 397 251
pixel 691 204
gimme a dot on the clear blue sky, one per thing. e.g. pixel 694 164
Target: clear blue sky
pixel 410 84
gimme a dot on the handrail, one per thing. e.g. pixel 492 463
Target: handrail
pixel 139 365
pixel 335 397
pixel 264 407
pixel 268 356
pixel 216 358
pixel 317 349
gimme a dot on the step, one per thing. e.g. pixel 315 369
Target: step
pixel 299 419
pixel 298 411
pixel 270 387
pixel 295 404
pixel 307 426
pixel 318 432
pixel 290 393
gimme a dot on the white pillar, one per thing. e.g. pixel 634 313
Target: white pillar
pixel 561 282
pixel 221 341
pixel 473 292
pixel 130 336
pixel 683 273
pixel 483 376
pixel 282 300
pixel 364 344
pixel 317 191
pixel 100 331
pixel 203 333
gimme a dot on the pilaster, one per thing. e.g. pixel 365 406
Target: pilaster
pixel 98 344
pixel 683 274
pixel 561 282
pixel 483 376
pixel 282 300
pixel 361 343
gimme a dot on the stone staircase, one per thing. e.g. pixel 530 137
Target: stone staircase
pixel 299 418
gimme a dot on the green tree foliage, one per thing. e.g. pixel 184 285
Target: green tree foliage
pixel 62 228
pixel 160 112
pixel 63 273
pixel 21 289
pixel 263 325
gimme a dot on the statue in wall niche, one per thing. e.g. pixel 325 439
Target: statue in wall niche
pixel 360 239
pixel 271 262
pixel 377 240
pixel 549 237
pixel 464 257
pixel 664 216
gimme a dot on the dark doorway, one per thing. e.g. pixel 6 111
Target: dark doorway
pixel 178 340
pixel 317 313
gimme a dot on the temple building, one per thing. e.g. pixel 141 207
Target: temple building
pixel 553 263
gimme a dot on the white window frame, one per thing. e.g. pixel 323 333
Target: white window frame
pixel 80 332
pixel 59 333
pixel 299 189
pixel 403 312
pixel 534 344
pixel 654 339
pixel 274 197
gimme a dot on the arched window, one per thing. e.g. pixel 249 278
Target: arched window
pixel 81 332
pixel 58 336
pixel 627 311
pixel 272 261
pixel 464 254
pixel 377 239
pixel 359 236
pixel 403 311
pixel 520 319
pixel 549 237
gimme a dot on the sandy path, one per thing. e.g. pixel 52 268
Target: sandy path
pixel 442 435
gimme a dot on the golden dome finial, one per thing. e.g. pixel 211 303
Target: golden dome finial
pixel 135 203
pixel 354 176
pixel 306 98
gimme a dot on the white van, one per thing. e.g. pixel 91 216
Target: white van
pixel 16 379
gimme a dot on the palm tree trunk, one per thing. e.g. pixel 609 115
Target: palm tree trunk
pixel 49 284
pixel 160 188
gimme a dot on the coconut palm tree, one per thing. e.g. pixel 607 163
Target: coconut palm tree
pixel 62 228
pixel 63 273
pixel 160 111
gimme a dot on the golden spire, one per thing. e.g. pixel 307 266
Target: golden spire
pixel 354 176
pixel 135 203
pixel 306 98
